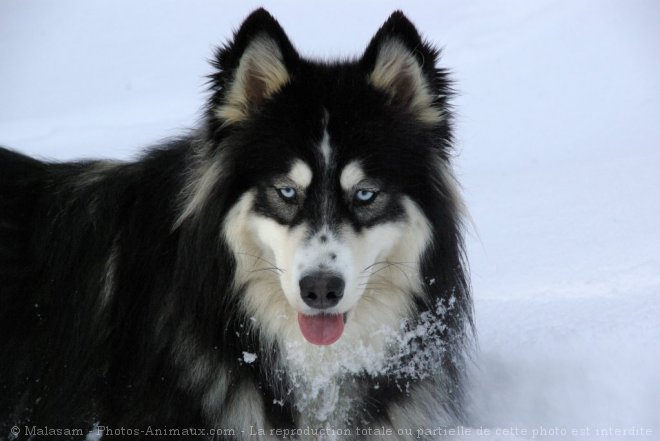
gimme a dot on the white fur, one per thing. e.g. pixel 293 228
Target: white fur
pixel 96 172
pixel 263 298
pixel 351 175
pixel 317 255
pixel 204 176
pixel 326 151
pixel 280 243
pixel 301 174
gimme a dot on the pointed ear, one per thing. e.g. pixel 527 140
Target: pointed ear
pixel 400 64
pixel 252 68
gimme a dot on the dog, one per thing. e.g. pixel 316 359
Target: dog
pixel 291 268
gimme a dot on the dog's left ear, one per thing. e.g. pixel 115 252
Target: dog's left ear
pixel 399 63
pixel 252 68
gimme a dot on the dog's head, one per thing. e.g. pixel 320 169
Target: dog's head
pixel 336 173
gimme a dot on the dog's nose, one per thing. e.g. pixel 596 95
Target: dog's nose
pixel 321 290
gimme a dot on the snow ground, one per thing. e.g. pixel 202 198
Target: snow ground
pixel 558 138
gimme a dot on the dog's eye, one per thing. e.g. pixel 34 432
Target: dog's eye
pixel 363 196
pixel 287 193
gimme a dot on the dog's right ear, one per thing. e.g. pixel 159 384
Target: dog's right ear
pixel 251 68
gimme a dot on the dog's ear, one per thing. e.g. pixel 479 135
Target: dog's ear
pixel 251 68
pixel 399 63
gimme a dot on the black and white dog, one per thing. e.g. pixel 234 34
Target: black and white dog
pixel 292 268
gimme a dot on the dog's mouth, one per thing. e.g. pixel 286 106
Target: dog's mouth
pixel 322 329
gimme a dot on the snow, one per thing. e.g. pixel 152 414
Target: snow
pixel 559 153
pixel 249 357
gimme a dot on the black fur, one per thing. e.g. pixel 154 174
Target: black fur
pixel 71 357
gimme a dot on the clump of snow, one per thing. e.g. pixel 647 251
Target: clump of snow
pixel 96 434
pixel 421 344
pixel 249 357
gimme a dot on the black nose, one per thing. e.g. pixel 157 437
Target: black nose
pixel 321 290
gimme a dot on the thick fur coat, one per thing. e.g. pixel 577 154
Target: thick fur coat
pixel 167 292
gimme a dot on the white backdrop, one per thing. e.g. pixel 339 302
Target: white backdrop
pixel 558 153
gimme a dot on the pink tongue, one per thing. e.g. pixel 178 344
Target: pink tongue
pixel 321 329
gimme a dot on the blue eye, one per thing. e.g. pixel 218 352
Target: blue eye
pixel 364 196
pixel 287 193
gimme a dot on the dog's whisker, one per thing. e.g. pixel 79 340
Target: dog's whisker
pixel 275 271
pixel 258 258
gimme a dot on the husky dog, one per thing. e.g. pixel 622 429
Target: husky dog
pixel 292 268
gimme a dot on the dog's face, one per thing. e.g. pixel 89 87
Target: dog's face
pixel 329 230
pixel 331 167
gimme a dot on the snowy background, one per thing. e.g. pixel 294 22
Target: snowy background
pixel 559 156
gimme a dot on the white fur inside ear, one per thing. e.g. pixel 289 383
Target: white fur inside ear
pixel 260 74
pixel 398 73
